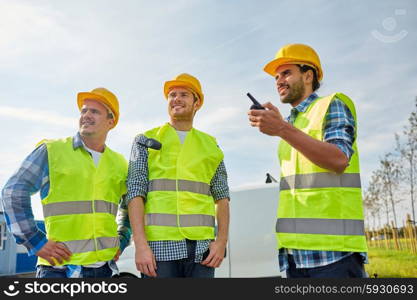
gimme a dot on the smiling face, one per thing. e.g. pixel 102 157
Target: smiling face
pixel 94 119
pixel 293 86
pixel 182 104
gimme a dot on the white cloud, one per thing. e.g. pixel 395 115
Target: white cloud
pixel 38 116
pixel 219 119
pixel 49 50
pixel 31 33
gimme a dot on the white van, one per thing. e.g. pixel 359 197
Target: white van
pixel 251 250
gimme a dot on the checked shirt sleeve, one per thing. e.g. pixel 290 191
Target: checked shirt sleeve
pixel 28 179
pixel 339 128
pixel 137 177
pixel 218 185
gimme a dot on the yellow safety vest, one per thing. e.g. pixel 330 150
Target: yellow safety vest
pixel 179 203
pixel 81 206
pixel 319 209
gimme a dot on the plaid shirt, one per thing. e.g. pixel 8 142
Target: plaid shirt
pixel 31 177
pixel 339 129
pixel 137 186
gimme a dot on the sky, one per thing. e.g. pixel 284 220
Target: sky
pixel 51 50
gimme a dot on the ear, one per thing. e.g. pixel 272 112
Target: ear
pixel 111 123
pixel 198 104
pixel 308 77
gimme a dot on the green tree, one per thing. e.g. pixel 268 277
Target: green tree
pixel 373 198
pixel 389 173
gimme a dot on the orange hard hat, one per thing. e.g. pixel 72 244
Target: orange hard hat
pixel 298 54
pixel 187 81
pixel 103 96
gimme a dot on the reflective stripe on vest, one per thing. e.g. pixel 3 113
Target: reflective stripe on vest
pixel 81 246
pixel 319 209
pixel 185 220
pixel 320 180
pixel 320 226
pixel 183 186
pixel 79 207
pixel 179 203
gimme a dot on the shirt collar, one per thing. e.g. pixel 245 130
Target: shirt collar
pixel 77 142
pixel 302 107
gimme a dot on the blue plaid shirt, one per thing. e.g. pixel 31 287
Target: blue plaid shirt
pixel 137 186
pixel 339 129
pixel 31 177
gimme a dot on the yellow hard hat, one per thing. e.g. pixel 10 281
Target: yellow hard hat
pixel 187 81
pixel 105 97
pixel 298 54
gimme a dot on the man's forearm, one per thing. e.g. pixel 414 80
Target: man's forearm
pixel 136 216
pixel 323 154
pixel 223 217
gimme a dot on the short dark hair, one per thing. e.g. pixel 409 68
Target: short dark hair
pixel 316 83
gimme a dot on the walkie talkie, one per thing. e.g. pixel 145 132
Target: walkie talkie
pixel 256 104
pixel 151 143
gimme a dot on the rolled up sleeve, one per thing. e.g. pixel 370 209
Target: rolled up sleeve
pixel 16 200
pixel 219 187
pixel 137 177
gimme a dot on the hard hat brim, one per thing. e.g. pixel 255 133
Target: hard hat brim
pixel 178 83
pixel 272 66
pixel 81 97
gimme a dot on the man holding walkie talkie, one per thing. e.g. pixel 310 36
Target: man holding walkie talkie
pixel 319 228
pixel 176 179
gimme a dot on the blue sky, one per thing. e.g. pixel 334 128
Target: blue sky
pixel 51 50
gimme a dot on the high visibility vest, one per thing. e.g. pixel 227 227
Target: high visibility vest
pixel 81 206
pixel 319 209
pixel 179 203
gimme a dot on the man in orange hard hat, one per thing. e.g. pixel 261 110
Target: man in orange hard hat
pixel 81 182
pixel 176 179
pixel 320 223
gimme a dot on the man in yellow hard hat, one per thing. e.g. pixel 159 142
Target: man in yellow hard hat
pixel 81 182
pixel 320 223
pixel 176 181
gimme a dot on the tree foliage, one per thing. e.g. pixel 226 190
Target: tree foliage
pixel 395 179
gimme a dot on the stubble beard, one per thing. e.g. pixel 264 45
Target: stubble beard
pixel 295 92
